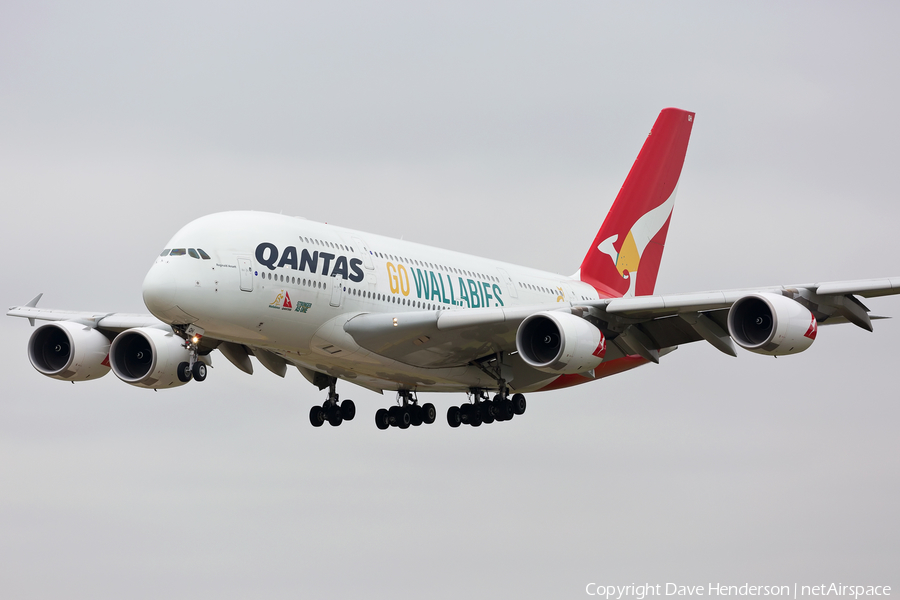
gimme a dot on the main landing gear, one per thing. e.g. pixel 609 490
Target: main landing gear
pixel 331 410
pixel 482 410
pixel 194 368
pixel 406 413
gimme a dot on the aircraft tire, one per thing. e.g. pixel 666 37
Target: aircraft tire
pixel 348 410
pixel 416 415
pixel 404 418
pixel 199 371
pixel 498 410
pixel 184 372
pixel 381 419
pixel 519 404
pixel 453 416
pixel 316 416
pixel 429 414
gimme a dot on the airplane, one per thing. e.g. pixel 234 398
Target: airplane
pixel 392 315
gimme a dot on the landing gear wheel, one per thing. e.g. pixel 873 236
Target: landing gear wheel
pixel 429 414
pixel 453 416
pixel 466 413
pixel 184 372
pixel 394 416
pixel 506 409
pixel 381 419
pixel 498 409
pixel 334 418
pixel 348 410
pixel 199 371
pixel 518 401
pixel 316 416
pixel 486 412
pixel 416 414
pixel 404 418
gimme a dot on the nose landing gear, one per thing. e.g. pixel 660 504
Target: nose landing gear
pixel 193 368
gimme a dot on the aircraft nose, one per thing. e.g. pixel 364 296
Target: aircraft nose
pixel 160 291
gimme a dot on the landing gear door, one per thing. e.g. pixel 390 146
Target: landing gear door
pixel 246 269
pixel 337 291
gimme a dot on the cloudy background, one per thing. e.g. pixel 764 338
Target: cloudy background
pixel 503 129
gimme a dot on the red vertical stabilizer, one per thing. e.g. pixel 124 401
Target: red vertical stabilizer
pixel 624 258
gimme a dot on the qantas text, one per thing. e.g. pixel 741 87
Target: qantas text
pixel 331 265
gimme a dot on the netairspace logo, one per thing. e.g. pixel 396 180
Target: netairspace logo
pixel 795 591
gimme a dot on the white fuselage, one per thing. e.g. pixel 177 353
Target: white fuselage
pixel 288 285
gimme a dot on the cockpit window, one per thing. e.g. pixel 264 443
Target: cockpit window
pixel 193 253
pixel 164 252
pixel 203 254
pixel 177 252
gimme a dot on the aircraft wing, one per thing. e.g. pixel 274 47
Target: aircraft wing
pixel 826 293
pixel 113 322
pixel 642 325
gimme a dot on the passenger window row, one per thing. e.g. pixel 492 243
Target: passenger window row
pixel 435 266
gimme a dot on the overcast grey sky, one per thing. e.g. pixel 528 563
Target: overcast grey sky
pixel 503 129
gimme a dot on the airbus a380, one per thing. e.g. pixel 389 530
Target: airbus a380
pixel 391 315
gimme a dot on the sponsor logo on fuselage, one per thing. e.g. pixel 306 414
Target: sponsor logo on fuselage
pixel 324 263
pixel 440 287
pixel 283 302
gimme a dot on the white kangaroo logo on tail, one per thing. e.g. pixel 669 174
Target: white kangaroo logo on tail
pixel 628 259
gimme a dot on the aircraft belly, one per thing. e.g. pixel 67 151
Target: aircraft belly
pixel 391 375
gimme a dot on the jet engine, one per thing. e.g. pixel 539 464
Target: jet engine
pixel 148 357
pixel 560 343
pixel 69 351
pixel 771 324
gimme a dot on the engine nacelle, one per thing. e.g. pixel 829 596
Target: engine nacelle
pixel 148 357
pixel 69 351
pixel 560 343
pixel 771 324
